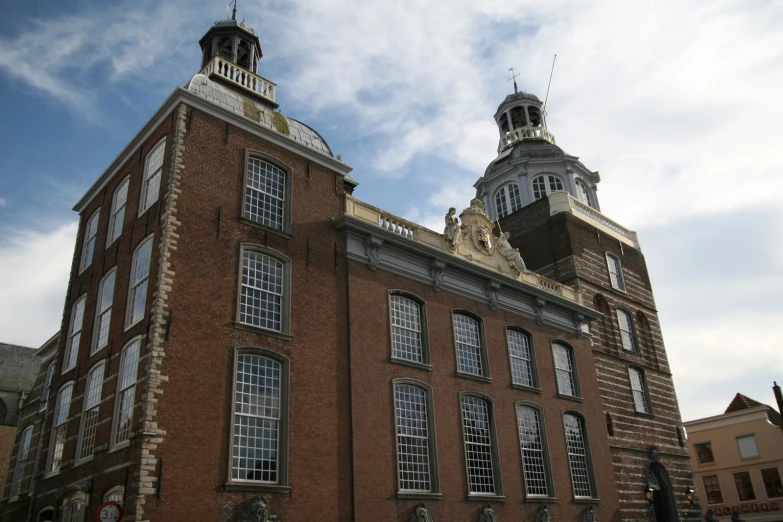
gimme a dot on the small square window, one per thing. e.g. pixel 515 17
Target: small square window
pixel 704 452
pixel 747 446
pixel 744 486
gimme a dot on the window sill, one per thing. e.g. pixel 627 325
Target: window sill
pixel 479 378
pixel 587 501
pixel 412 495
pixel 413 364
pixel 83 461
pixel 522 387
pixel 265 331
pixel 635 353
pixel 546 500
pixel 477 497
pixel 66 371
pixel 121 445
pixel 570 397
pixel 645 415
pixel 277 232
pixel 256 488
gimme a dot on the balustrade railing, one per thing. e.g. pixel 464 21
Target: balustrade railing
pixel 563 202
pixel 525 133
pixel 240 77
pixel 550 286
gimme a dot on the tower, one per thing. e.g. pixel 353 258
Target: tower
pixel 546 200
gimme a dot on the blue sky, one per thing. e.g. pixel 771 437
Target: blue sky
pixel 677 103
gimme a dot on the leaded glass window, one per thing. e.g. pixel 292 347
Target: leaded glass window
pixel 153 169
pixel 468 341
pixel 21 461
pixel 406 325
pixel 140 272
pixel 90 231
pixel 413 438
pixel 92 401
pixel 265 193
pixel 478 445
pixel 534 458
pixel 546 184
pixel 507 200
pixel 257 415
pixel 638 390
pixel 58 427
pixel 566 384
pixel 126 391
pixel 261 299
pixel 578 458
pixel 615 272
pixel 626 330
pixel 118 203
pixel 521 360
pixel 74 335
pixel 103 313
pixel 582 193
pixel 712 488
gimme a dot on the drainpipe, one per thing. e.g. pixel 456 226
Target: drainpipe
pixel 779 398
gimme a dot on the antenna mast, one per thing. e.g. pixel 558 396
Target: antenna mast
pixel 550 82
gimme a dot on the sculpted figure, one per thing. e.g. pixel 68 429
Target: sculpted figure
pixel 452 227
pixel 511 254
pixel 420 514
pixel 261 512
pixel 543 514
pixel 488 514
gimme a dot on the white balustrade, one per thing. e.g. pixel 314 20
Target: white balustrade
pixel 562 201
pixel 550 286
pixel 525 133
pixel 397 225
pixel 241 77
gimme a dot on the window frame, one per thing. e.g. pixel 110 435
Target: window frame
pixel 645 391
pixel 542 433
pixel 22 452
pixel 618 310
pixel 588 456
pixel 285 306
pixel 130 301
pixel 97 320
pixel 71 353
pixel 423 330
pixel 485 375
pixel 284 420
pixel 532 366
pixel 739 447
pixel 742 475
pixel 111 228
pixel 582 188
pixel 118 393
pixel 46 390
pixel 708 445
pixel 55 427
pixel 99 366
pixel 432 442
pixel 144 203
pixel 286 228
pixel 547 184
pixel 777 494
pixel 89 239
pixel 610 258
pixel 507 199
pixel 494 455
pixel 716 487
pixel 574 370
pixel 112 491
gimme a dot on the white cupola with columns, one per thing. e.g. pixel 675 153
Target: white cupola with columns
pixel 529 165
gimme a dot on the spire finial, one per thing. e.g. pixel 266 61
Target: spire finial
pixel 234 12
pixel 513 77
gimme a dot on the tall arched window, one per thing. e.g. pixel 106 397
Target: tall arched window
pixel 92 402
pixel 567 383
pixel 260 418
pixel 265 288
pixel 416 457
pixel 641 399
pixel 59 424
pixel 90 231
pixel 545 184
pixel 578 455
pixel 521 356
pixel 47 387
pixel 407 328
pixel 137 293
pixel 468 341
pixel 118 202
pixel 507 200
pixel 627 335
pixel 103 313
pixel 583 193
pixel 266 187
pixel 535 459
pixel 153 170
pixel 126 392
pixel 480 446
pixel 21 459
pixel 74 335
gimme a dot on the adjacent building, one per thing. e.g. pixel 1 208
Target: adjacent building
pixel 738 461
pixel 243 339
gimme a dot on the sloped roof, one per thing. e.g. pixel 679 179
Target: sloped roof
pixel 742 402
pixel 18 367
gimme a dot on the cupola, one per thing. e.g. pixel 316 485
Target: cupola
pixel 230 54
pixel 520 117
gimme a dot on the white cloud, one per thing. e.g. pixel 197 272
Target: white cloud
pixel 2 202
pixel 35 268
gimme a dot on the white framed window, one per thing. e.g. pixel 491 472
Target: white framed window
pixel 74 512
pixel 103 312
pixel 639 390
pixel 259 452
pixel 21 460
pixel 126 392
pixel 117 216
pixel 90 231
pixel 74 334
pixel 407 328
pixel 90 407
pixel 615 272
pixel 469 345
pixel 507 200
pixel 747 446
pixel 47 387
pixel 578 455
pixel 545 184
pixel 265 286
pixel 480 446
pixel 564 368
pixel 521 357
pixel 583 193
pixel 627 336
pixel 416 455
pixel 153 170
pixel 115 494
pixel 137 292
pixel 265 194
pixel 59 425
pixel 535 458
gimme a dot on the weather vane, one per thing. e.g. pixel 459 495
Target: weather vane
pixel 233 14
pixel 513 77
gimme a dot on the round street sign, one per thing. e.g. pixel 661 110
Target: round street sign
pixel 109 512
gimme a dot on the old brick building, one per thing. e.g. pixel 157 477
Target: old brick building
pixel 243 339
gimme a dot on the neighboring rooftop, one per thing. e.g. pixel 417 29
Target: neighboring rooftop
pixel 742 402
pixel 18 367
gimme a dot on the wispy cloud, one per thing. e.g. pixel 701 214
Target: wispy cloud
pixel 2 202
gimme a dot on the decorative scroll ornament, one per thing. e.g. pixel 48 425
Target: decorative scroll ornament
pixel 372 249
pixel 259 512
pixel 488 514
pixel 543 514
pixel 512 255
pixel 436 272
pixel 589 515
pixel 491 289
pixel 420 514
